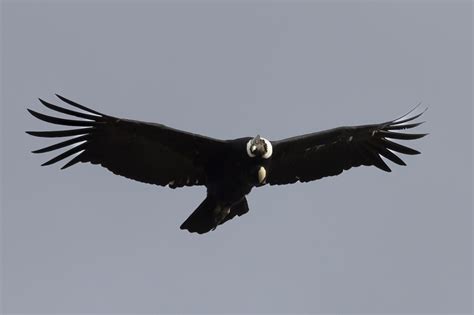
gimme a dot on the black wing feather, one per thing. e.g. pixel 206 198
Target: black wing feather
pixel 60 133
pixel 328 153
pixel 65 100
pixel 147 152
pixel 63 144
pixel 401 136
pixel 70 112
pixel 377 147
pixel 406 126
pixel 65 154
pixel 61 121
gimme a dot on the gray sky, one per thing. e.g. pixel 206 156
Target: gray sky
pixel 85 240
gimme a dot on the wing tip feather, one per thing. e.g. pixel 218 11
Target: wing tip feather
pixel 75 104
pixel 42 101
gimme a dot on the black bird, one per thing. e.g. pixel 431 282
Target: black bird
pixel 156 154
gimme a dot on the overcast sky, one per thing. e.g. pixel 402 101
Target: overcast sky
pixel 85 240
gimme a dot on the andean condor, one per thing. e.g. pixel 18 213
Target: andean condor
pixel 157 154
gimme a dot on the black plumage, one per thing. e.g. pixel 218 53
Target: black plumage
pixel 156 154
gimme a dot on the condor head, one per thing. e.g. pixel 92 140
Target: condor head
pixel 259 147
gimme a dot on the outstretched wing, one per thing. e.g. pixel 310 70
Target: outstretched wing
pixel 146 152
pixel 328 153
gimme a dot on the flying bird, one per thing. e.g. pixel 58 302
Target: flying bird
pixel 229 169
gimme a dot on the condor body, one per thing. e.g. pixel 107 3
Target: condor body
pixel 230 169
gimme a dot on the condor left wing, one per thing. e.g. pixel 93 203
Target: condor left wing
pixel 147 152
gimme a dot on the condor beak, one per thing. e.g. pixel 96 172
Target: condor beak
pixel 253 148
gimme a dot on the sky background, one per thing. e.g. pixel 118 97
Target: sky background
pixel 86 241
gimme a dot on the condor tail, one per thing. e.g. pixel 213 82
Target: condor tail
pixel 210 214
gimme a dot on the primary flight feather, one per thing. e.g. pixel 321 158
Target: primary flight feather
pixel 156 154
